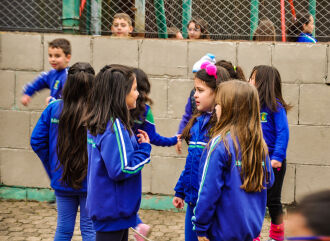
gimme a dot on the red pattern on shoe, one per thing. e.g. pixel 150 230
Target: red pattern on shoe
pixel 277 231
pixel 143 229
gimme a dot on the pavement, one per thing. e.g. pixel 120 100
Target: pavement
pixel 34 221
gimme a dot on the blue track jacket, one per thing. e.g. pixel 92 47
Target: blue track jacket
pixel 148 125
pixel 53 80
pixel 43 143
pixel 187 185
pixel 275 131
pixel 306 38
pixel 115 160
pixel 224 211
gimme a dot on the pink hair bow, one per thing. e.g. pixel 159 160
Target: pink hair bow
pixel 210 68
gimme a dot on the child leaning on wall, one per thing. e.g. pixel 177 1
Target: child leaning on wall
pixel 121 25
pixel 59 55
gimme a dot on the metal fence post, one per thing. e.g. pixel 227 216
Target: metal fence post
pixel 160 18
pixel 96 17
pixel 312 11
pixel 140 16
pixel 70 16
pixel 186 16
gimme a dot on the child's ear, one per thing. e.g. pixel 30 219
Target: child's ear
pixel 130 29
pixel 68 57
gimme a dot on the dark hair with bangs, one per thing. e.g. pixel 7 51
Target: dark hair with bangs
pixel 107 101
pixel 268 83
pixel 143 86
pixel 212 82
pixel 71 141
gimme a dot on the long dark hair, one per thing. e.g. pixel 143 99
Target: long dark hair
pixel 235 72
pixel 296 26
pixel 108 98
pixel 72 139
pixel 268 83
pixel 212 82
pixel 143 86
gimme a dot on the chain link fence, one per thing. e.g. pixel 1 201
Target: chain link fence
pixel 225 19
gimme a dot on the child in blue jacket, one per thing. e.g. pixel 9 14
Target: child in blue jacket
pixel 115 157
pixel 196 133
pixel 59 55
pixel 275 131
pixel 143 119
pixel 59 139
pixel 235 72
pixel 232 195
pixel 301 29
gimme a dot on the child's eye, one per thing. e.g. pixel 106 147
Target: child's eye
pixel 123 25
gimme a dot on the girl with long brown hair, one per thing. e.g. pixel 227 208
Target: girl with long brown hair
pixel 232 196
pixel 275 129
pixel 60 140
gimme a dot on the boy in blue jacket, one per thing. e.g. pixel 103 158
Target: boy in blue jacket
pixel 59 55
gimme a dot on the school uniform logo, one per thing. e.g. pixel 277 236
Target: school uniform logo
pixel 263 117
pixel 57 82
pixel 54 120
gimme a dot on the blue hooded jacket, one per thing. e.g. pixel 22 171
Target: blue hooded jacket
pixel 53 80
pixel 148 125
pixel 44 142
pixel 224 211
pixel 187 185
pixel 115 160
pixel 275 130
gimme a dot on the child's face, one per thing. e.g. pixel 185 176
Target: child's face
pixel 194 32
pixel 57 58
pixel 308 28
pixel 252 80
pixel 204 96
pixel 132 96
pixel 121 28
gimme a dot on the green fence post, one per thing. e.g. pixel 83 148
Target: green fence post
pixel 70 16
pixel 312 11
pixel 160 18
pixel 254 17
pixel 186 16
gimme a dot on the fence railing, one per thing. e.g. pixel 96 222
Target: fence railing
pixel 223 19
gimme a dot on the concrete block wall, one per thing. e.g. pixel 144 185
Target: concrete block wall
pixel 304 69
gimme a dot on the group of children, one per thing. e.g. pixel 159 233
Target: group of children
pixel 300 29
pixel 95 136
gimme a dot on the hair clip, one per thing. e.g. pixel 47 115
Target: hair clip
pixel 235 68
pixel 210 68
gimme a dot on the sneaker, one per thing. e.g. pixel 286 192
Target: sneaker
pixel 143 229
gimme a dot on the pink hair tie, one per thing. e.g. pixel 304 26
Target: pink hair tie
pixel 210 68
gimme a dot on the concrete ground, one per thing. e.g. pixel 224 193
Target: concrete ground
pixel 32 221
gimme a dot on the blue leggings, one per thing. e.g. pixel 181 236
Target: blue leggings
pixel 67 207
pixel 189 234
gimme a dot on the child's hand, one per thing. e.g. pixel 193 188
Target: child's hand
pixel 276 164
pixel 25 100
pixel 48 99
pixel 178 146
pixel 143 137
pixel 203 239
pixel 178 202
